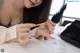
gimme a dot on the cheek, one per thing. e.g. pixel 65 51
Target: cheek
pixel 27 4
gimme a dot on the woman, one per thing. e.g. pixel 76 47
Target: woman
pixel 20 15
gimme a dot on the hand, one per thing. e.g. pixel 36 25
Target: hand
pixel 22 31
pixel 46 29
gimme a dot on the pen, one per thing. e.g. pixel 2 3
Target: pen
pixel 37 25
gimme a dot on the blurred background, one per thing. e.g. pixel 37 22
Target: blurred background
pixel 71 13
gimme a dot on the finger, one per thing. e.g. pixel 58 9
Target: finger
pixel 50 28
pixel 42 26
pixel 48 36
pixel 22 42
pixel 24 35
pixel 23 38
pixel 25 30
pixel 51 37
pixel 53 24
pixel 37 35
pixel 27 25
pixel 26 38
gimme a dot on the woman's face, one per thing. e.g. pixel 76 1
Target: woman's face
pixel 32 3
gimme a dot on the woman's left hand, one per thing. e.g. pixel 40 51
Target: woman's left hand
pixel 46 29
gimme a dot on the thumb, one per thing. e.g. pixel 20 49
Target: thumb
pixel 51 37
pixel 22 42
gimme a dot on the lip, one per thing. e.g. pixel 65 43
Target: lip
pixel 32 2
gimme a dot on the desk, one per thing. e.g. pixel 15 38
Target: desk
pixel 42 46
pixel 64 46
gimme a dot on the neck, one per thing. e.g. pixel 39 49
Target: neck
pixel 18 4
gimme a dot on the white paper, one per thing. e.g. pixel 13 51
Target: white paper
pixel 34 46
pixel 56 45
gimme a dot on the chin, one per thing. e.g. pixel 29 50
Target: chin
pixel 28 6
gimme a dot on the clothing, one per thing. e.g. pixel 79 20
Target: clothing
pixel 34 15
pixel 7 34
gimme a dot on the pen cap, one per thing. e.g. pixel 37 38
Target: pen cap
pixel 56 18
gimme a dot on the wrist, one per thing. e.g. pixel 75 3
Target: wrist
pixel 12 32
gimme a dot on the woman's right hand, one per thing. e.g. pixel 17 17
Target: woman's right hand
pixel 22 32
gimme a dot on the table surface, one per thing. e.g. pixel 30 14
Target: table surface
pixel 56 45
pixel 59 45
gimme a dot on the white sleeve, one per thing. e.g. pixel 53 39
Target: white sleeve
pixel 12 32
pixel 7 34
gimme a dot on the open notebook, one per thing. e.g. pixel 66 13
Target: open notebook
pixel 34 46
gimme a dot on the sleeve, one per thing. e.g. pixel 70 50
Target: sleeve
pixel 7 34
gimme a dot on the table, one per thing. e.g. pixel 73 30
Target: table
pixel 42 46
pixel 62 46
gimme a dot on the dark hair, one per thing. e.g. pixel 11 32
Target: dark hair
pixel 37 14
